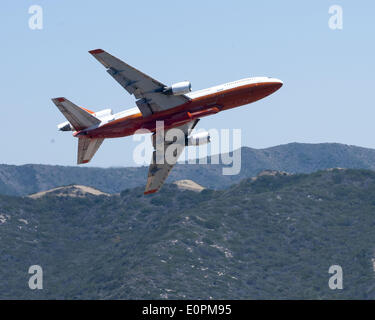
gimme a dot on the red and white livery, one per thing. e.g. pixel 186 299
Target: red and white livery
pixel 176 105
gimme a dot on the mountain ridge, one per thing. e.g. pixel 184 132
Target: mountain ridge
pixel 293 158
pixel 274 237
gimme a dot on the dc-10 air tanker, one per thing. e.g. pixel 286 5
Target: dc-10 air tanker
pixel 175 105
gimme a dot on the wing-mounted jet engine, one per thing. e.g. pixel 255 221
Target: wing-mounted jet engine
pixel 198 139
pixel 178 88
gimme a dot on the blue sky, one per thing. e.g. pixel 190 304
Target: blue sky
pixel 328 74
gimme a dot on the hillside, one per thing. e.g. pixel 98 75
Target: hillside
pixel 69 191
pixel 273 237
pixel 294 158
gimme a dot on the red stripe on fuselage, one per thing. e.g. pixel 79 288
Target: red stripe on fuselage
pixel 200 106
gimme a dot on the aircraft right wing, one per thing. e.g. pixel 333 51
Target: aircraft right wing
pixel 158 172
pixel 147 90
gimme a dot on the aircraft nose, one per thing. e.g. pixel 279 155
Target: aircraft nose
pixel 278 84
pixel 270 86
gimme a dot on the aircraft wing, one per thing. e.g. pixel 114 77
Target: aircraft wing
pixel 158 173
pixel 147 90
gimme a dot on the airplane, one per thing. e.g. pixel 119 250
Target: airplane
pixel 176 105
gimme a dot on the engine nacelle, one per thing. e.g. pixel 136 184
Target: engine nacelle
pixel 178 88
pixel 65 126
pixel 198 139
pixel 104 115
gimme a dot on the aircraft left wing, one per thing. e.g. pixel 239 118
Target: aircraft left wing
pixel 158 173
pixel 147 90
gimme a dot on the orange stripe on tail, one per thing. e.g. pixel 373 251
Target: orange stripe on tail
pixel 89 111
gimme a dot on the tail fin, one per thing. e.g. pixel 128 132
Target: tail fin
pixel 87 148
pixel 78 117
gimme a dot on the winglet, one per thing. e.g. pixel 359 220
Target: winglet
pixel 96 51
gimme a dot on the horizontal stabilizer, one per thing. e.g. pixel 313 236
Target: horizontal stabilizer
pixel 87 148
pixel 78 117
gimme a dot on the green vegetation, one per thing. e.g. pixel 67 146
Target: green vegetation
pixel 293 158
pixel 273 237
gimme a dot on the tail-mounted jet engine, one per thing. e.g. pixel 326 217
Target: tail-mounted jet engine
pixel 103 115
pixel 65 126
